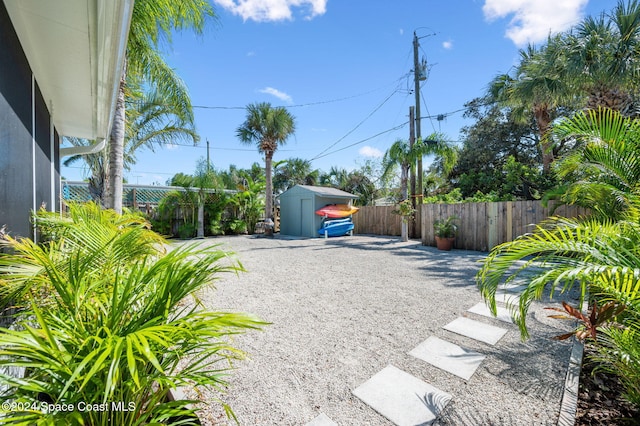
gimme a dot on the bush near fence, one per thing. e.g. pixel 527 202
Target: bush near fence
pixel 481 226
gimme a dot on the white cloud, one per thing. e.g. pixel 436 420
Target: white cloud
pixel 277 93
pixel 448 44
pixel 273 10
pixel 533 20
pixel 401 31
pixel 171 147
pixel 371 152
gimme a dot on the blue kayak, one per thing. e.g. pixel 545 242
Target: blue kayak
pixel 336 228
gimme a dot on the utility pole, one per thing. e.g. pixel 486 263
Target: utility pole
pixel 417 76
pixel 412 171
pixel 208 162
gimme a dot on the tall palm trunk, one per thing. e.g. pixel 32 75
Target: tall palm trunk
pixel 543 120
pixel 200 232
pixel 404 189
pixel 268 205
pixel 404 180
pixel 113 199
pixel 602 97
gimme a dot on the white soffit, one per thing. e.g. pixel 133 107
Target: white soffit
pixel 76 50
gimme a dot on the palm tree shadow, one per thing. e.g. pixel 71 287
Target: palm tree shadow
pixel 452 415
pixel 435 403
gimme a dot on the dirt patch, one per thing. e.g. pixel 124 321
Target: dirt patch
pixel 600 401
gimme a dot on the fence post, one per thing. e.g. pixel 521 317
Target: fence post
pixel 492 220
pixel 509 221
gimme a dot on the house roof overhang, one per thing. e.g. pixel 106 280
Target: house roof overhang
pixel 76 50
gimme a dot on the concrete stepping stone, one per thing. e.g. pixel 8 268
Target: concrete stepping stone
pixel 482 309
pixel 322 420
pixel 476 330
pixel 402 398
pixel 448 357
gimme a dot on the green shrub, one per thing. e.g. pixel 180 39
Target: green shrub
pixel 187 230
pixel 237 226
pixel 619 354
pixel 215 228
pixel 108 319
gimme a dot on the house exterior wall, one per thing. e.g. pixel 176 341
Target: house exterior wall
pixel 29 162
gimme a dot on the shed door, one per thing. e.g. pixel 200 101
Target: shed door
pixel 306 217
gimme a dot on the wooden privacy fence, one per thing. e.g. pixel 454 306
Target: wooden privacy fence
pixel 481 226
pixel 377 220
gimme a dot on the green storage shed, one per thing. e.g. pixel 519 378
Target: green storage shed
pixel 299 203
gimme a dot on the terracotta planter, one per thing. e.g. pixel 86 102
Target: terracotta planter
pixel 444 243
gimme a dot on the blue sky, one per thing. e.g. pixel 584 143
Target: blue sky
pixel 344 70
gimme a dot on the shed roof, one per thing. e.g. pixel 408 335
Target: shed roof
pixel 324 191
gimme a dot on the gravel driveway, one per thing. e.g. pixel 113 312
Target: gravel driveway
pixel 342 309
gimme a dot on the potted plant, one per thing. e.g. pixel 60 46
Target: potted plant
pixel 406 210
pixel 445 231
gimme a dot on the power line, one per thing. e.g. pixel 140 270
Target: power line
pixel 308 103
pixel 361 141
pixel 357 125
pixel 225 149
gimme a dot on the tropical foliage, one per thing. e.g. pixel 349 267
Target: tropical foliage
pixel 291 172
pixel 358 182
pixel 598 255
pixel 109 320
pixel 212 202
pixel 601 57
pixel 604 173
pixel 404 155
pixel 593 65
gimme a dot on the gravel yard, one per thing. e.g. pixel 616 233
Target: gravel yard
pixel 342 309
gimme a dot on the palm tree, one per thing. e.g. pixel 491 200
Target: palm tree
pixel 96 164
pixel 399 154
pixel 152 121
pixel 359 183
pixel 402 154
pixel 536 88
pixel 151 22
pixel 205 178
pixel 336 177
pixel 268 127
pixel 291 172
pixel 602 58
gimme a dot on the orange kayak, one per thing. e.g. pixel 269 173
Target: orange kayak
pixel 337 210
